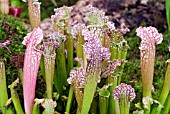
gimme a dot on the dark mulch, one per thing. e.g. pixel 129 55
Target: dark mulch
pixel 129 13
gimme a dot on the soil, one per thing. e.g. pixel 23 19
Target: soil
pixel 125 13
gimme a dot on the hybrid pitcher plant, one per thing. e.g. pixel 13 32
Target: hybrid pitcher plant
pixel 97 34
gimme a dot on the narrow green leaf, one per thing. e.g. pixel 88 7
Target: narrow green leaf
pixel 60 76
pixel 167 5
pixel 89 91
pixel 3 87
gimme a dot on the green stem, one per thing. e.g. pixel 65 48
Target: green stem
pixel 166 86
pixel 79 46
pixel 167 5
pixel 20 71
pixel 15 98
pixel 60 78
pixel 165 89
pixel 49 73
pixel 117 108
pixel 79 98
pixel 3 87
pixel 113 51
pixel 70 59
pixel 166 108
pixel 124 105
pixel 94 106
pixel 112 80
pixel 149 109
pixel 89 91
pixel 70 98
pixel 9 111
pixel 54 2
pixel 42 67
pixel 36 108
pixel 78 110
pixel 70 49
pixel 119 52
pixel 123 53
pixel 103 100
pixel 158 110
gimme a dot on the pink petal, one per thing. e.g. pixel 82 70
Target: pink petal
pixel 31 66
pixel 149 35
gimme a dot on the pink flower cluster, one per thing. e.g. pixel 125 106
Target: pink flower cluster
pixel 96 53
pixel 93 47
pixel 124 91
pixel 77 77
pixel 98 14
pixel 111 66
pixel 150 36
pixel 61 13
pixel 78 28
